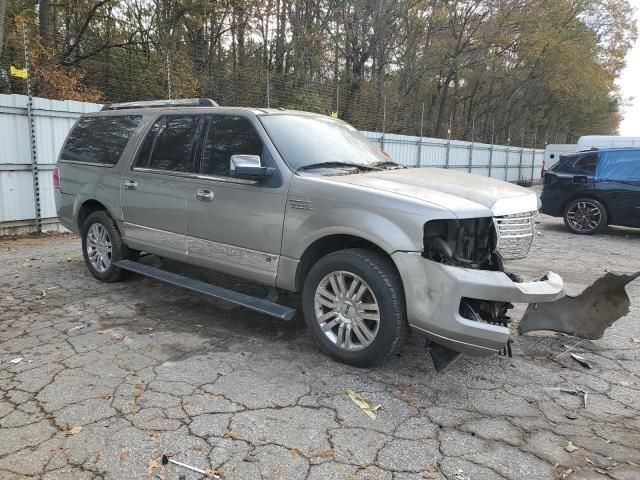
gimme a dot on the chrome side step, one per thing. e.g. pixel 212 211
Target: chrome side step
pixel 261 305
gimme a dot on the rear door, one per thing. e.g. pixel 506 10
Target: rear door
pixel 618 183
pixel 235 224
pixel 154 188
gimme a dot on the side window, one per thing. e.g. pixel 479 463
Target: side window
pixel 587 163
pixel 169 144
pixel 622 165
pixel 100 139
pixel 228 135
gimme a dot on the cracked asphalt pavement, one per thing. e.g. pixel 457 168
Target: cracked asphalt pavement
pixel 146 368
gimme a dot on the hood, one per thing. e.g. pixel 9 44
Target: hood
pixel 466 194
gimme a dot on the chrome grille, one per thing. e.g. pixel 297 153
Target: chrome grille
pixel 515 234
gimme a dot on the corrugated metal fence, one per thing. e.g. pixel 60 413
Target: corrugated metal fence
pixel 54 118
pixel 504 162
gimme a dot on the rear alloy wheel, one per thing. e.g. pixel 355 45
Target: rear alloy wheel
pixel 353 303
pixel 585 216
pixel 102 247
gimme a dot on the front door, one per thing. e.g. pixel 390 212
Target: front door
pixel 235 225
pixel 154 189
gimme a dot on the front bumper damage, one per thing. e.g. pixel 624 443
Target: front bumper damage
pixel 434 292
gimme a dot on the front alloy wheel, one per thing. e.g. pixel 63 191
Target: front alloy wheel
pixel 585 216
pixel 353 303
pixel 347 310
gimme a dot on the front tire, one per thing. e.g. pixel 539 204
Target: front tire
pixel 353 303
pixel 585 216
pixel 102 246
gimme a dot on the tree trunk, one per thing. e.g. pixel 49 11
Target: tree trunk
pixel 43 22
pixel 3 9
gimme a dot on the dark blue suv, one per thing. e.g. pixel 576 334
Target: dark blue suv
pixel 593 189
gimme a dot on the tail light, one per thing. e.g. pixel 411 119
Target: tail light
pixel 56 177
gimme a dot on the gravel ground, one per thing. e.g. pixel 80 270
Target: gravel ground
pixel 114 375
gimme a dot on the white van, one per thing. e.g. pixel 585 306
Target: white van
pixel 607 141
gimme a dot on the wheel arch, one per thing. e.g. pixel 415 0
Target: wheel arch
pixel 88 207
pixel 328 244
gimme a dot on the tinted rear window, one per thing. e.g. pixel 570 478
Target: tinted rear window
pixel 100 139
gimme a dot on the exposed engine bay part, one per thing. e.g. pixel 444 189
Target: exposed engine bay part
pixel 469 243
pixel 587 315
pixel 480 243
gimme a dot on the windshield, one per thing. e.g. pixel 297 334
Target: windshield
pixel 305 141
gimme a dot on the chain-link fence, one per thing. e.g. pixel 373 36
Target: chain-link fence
pixel 88 67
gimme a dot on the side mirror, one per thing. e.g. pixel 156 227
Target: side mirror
pixel 249 166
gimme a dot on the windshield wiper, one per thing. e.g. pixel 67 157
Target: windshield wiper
pixel 312 166
pixel 388 163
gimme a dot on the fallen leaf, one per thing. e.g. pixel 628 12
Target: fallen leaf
pixel 329 452
pixel 152 464
pixel 153 433
pixel 566 473
pixel 363 404
pixel 581 360
pixel 73 431
pixel 294 452
pixel 48 416
pixel 211 473
pixel 109 312
pixel 230 434
pixel 124 456
pixel 570 447
pixel 137 393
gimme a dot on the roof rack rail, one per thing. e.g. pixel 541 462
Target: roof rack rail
pixel 185 102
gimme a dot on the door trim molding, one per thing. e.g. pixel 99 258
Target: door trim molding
pixel 215 251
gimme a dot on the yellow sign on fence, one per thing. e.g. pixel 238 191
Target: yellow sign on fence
pixel 18 72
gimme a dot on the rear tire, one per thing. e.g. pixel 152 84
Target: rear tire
pixel 585 216
pixel 102 246
pixel 353 302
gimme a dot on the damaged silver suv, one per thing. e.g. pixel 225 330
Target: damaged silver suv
pixel 303 203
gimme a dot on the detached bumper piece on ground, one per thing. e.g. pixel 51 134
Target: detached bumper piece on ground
pixel 586 315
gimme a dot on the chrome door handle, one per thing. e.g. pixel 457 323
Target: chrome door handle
pixel 130 184
pixel 204 195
